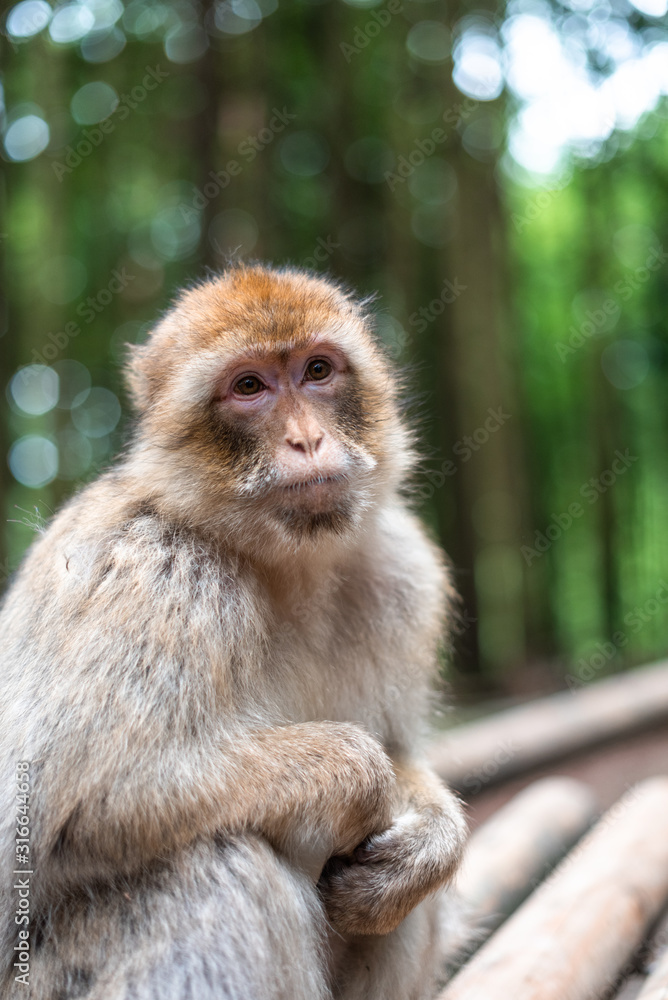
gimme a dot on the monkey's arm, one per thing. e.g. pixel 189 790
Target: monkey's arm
pixel 395 869
pixel 311 789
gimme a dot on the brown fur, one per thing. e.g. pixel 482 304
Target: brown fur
pixel 219 667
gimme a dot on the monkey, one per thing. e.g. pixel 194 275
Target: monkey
pixel 216 671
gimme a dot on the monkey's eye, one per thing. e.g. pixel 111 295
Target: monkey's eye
pixel 249 385
pixel 317 370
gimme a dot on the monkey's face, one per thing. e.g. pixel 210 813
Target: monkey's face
pixel 293 427
pixel 271 404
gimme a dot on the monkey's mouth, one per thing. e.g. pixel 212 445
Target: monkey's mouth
pixel 315 493
pixel 313 483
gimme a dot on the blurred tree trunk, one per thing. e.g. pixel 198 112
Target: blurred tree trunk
pixel 614 432
pixel 608 425
pixel 489 477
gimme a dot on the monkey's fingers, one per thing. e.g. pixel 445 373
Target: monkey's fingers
pixel 390 874
pixel 420 842
pixel 364 899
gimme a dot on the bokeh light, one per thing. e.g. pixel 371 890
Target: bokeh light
pixel 430 225
pixel 75 382
pixel 186 43
pixel 174 236
pixel 93 103
pixel 633 244
pixel 598 307
pixel 105 12
pixel 434 182
pixel 97 414
pixel 33 460
pixel 478 71
pixel 71 22
pixel 145 20
pixel 75 454
pixel 304 153
pixel 101 46
pixel 392 334
pixel 653 8
pixel 26 138
pixel 484 136
pixel 28 18
pixel 625 364
pixel 236 17
pixel 34 389
pixel 429 41
pixel 563 106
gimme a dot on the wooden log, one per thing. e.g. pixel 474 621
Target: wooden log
pixel 656 984
pixel 473 756
pixel 576 932
pixel 510 854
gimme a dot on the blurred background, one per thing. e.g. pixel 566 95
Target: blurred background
pixel 497 173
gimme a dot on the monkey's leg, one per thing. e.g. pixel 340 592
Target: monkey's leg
pixel 402 965
pixel 233 922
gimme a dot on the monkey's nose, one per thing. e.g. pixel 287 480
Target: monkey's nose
pixel 308 444
pixel 304 434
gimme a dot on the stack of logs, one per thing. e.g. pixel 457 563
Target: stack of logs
pixel 568 905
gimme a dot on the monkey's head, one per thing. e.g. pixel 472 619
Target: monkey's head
pixel 266 407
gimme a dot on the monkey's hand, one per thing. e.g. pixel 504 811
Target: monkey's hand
pixel 391 872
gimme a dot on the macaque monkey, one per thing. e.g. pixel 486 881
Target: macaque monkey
pixel 215 671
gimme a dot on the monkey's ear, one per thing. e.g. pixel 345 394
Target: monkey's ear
pixel 136 377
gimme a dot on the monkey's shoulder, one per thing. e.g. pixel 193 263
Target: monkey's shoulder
pixel 114 616
pixel 111 563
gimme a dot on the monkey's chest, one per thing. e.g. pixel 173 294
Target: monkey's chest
pixel 325 672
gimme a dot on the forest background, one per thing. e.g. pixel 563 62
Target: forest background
pixel 496 173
